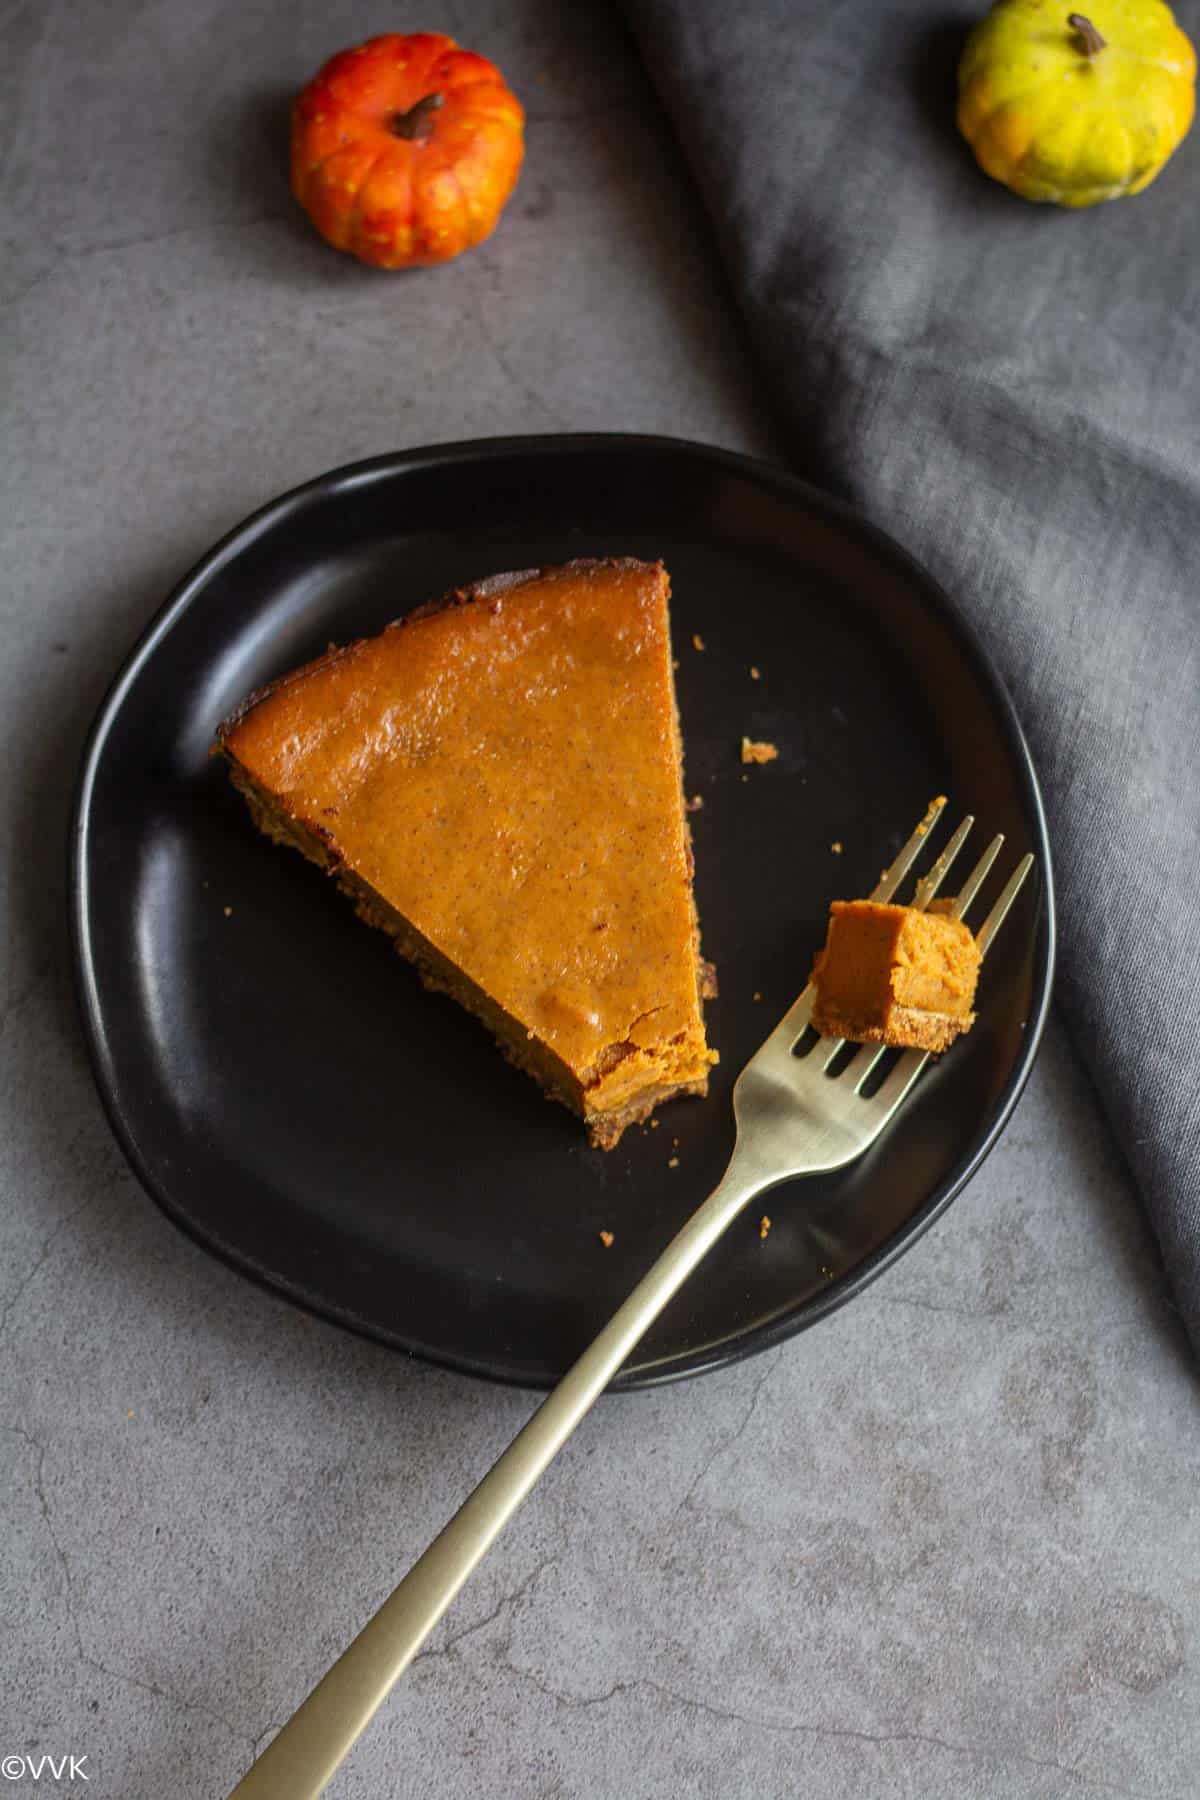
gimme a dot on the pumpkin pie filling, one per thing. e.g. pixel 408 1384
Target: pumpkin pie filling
pixel 496 781
pixel 893 975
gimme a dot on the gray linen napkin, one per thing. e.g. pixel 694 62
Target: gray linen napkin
pixel 1014 392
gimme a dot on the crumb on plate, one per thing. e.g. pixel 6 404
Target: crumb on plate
pixel 697 640
pixel 836 846
pixel 694 804
pixel 764 1226
pixel 758 751
pixel 606 1238
pixel 755 674
pixel 672 1162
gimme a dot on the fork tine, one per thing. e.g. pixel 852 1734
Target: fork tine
pixel 797 1017
pixel 896 1085
pixel 894 874
pixel 824 1051
pixel 977 877
pixel 996 917
pixel 928 886
pixel 794 1021
pixel 856 1072
pixel 791 1027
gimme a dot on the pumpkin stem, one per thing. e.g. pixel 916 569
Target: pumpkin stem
pixel 1093 43
pixel 417 123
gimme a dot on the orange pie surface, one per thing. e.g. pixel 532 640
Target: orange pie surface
pixel 497 781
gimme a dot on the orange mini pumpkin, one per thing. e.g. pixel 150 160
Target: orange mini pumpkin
pixel 405 150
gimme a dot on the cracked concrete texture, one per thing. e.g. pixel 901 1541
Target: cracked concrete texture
pixel 944 1545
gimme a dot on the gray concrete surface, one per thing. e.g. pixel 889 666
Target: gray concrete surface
pixel 943 1546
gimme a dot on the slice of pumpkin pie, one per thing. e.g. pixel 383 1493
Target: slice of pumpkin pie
pixel 496 781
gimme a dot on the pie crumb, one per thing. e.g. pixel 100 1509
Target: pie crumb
pixel 228 911
pixel 757 751
pixel 606 1238
pixel 764 1226
pixel 697 640
pixel 938 800
pixel 673 1162
pixel 694 804
pixel 654 1124
pixel 836 846
pixel 757 995
pixel 755 674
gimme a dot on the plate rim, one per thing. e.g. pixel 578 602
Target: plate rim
pixel 344 478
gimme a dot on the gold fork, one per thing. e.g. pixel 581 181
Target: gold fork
pixel 792 1119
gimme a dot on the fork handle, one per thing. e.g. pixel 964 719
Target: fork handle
pixel 302 1758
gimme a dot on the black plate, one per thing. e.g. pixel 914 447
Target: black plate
pixel 291 1096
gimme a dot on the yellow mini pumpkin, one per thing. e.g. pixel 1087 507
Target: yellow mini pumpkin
pixel 1075 108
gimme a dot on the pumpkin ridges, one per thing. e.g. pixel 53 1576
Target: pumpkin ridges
pixel 461 68
pixel 478 151
pixel 314 120
pixel 354 229
pixel 1145 23
pixel 386 234
pixel 433 179
pixel 323 191
pixel 407 200
pixel 466 202
pixel 426 82
pixel 1059 111
pixel 483 223
pixel 510 109
pixel 987 102
pixel 375 59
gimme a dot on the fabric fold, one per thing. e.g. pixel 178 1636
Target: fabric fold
pixel 1014 392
